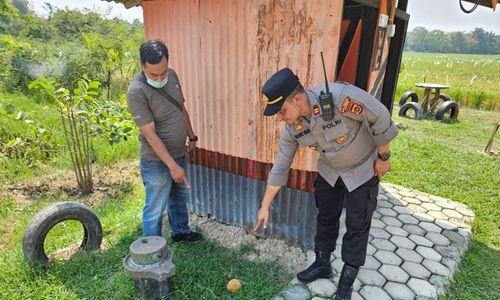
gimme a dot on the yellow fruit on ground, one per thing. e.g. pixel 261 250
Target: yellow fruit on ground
pixel 233 285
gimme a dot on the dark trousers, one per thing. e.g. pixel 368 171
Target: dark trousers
pixel 359 205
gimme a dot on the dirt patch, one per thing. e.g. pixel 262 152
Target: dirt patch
pixel 109 181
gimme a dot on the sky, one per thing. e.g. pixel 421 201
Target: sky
pixel 432 14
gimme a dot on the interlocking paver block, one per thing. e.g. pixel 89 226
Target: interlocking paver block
pixel 371 263
pixel 408 219
pixel 396 231
pixel 397 201
pixel 387 257
pixel 422 288
pixel 402 242
pixel 370 250
pixel 446 204
pixel 465 211
pixel 437 281
pixel 414 229
pixel 296 292
pixel 409 255
pixel 428 253
pixel 407 193
pixel 423 216
pixel 437 238
pixel 394 273
pixel 384 203
pixel 412 200
pixel 427 226
pixel 401 209
pixel 399 291
pixel 376 223
pixel 337 265
pixel 416 208
pixel 438 215
pixel 432 207
pixel 455 238
pixel 374 292
pixel 322 287
pixel 452 213
pixel 450 263
pixel 420 240
pixel 448 251
pixel 392 221
pixel 371 277
pixel 387 212
pixel 379 233
pixel 423 198
pixel 383 244
pixel 446 225
pixel 436 267
pixel 356 296
pixel 416 270
pixel 376 215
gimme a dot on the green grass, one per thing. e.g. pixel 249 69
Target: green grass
pixel 203 268
pixel 473 79
pixel 440 158
pixel 446 159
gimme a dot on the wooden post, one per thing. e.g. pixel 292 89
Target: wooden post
pixel 487 149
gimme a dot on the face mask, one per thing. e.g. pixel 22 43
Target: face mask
pixel 157 84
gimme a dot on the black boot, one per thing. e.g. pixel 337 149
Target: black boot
pixel 320 268
pixel 347 277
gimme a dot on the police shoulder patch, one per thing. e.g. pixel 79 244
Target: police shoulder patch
pixel 351 106
pixel 316 111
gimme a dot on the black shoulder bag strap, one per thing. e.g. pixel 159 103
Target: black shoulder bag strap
pixel 161 92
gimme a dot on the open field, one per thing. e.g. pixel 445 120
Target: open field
pixel 473 79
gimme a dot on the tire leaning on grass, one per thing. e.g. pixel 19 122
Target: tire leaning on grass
pixel 450 106
pixel 44 220
pixel 417 108
pixel 406 95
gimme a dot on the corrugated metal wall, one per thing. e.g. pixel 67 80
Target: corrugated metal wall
pixel 224 50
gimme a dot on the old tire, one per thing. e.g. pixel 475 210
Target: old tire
pixel 417 108
pixel 44 220
pixel 448 106
pixel 444 97
pixel 406 95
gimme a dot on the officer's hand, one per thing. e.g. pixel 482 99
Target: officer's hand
pixel 382 167
pixel 262 218
pixel 178 175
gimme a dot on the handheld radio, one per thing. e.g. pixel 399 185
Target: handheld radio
pixel 326 99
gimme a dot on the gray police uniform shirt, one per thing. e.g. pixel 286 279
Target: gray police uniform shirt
pixel 147 105
pixel 347 145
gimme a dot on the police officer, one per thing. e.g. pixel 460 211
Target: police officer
pixel 353 155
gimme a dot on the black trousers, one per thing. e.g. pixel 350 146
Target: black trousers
pixel 359 205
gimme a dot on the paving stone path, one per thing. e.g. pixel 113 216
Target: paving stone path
pixel 415 244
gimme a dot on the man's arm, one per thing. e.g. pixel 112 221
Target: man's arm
pixel 149 132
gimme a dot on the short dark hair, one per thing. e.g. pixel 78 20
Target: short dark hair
pixel 299 89
pixel 153 51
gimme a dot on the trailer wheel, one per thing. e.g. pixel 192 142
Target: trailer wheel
pixel 417 109
pixel 406 95
pixel 450 107
pixel 44 220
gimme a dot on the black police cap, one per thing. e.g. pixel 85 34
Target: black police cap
pixel 277 88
